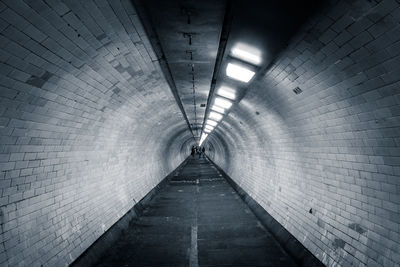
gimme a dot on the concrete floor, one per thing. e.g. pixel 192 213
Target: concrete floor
pixel 196 220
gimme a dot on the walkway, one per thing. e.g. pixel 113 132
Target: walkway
pixel 197 220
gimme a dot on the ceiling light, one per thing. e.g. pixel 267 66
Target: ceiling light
pixel 239 73
pixel 203 137
pixel 207 130
pixel 216 116
pixel 211 122
pixel 226 92
pixel 247 53
pixel 211 127
pixel 222 103
pixel 218 109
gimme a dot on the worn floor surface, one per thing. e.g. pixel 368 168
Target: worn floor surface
pixel 197 220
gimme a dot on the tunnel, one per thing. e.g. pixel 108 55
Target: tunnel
pixel 104 104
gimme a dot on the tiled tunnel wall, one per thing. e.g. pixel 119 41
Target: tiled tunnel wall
pixel 325 163
pixel 88 126
pixel 86 123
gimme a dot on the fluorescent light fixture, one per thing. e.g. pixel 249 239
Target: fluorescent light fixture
pixel 203 137
pixel 209 127
pixel 212 123
pixel 239 73
pixel 223 103
pixel 214 115
pixel 226 92
pixel 207 130
pixel 247 53
pixel 218 109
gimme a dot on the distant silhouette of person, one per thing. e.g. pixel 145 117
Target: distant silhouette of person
pixel 204 151
pixel 193 151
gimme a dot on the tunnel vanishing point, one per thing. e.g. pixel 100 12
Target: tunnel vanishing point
pixel 297 104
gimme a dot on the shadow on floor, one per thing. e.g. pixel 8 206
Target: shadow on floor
pixel 197 219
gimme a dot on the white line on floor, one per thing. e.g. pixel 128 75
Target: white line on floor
pixel 193 251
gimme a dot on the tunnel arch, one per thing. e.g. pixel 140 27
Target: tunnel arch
pixel 89 125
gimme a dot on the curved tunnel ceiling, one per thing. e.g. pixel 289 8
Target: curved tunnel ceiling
pixel 196 39
pixel 188 34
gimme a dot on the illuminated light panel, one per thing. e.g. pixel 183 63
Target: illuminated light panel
pixel 211 122
pixel 247 53
pixel 214 115
pixel 223 103
pixel 226 92
pixel 207 130
pixel 203 137
pixel 209 127
pixel 239 73
pixel 218 109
